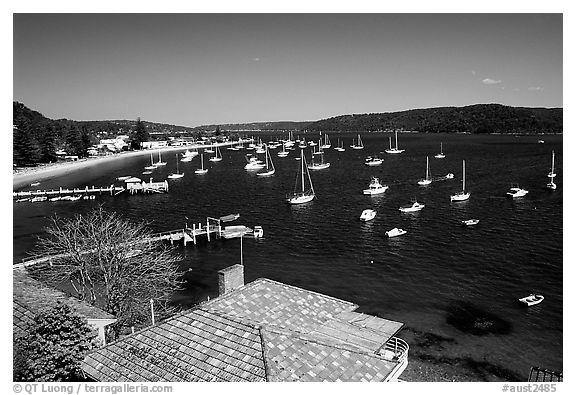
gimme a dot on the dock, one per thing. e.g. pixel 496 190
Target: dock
pixel 132 187
pixel 211 230
pixel 112 190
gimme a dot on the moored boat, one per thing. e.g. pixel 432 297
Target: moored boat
pixel 531 299
pixel 415 206
pixel 470 222
pixel 462 195
pixel 302 194
pixel 515 191
pixel 367 215
pixel 375 187
pixel 396 232
pixel 373 161
pixel 441 154
pixel 427 180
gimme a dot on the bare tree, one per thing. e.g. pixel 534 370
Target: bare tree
pixel 111 262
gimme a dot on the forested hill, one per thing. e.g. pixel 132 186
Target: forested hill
pixel 257 126
pixel 480 118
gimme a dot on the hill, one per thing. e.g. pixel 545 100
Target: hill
pixel 480 118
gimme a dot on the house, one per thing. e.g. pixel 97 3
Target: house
pixel 261 331
pixel 31 297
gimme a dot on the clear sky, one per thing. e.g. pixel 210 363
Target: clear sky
pixel 194 69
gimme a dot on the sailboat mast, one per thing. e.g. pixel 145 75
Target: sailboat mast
pixel 427 172
pixel 390 141
pixel 302 160
pixel 463 176
pixel 396 140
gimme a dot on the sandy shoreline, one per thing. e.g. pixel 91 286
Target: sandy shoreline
pixel 25 176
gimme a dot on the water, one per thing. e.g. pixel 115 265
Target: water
pixel 322 246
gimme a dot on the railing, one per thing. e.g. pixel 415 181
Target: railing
pixel 396 350
pixel 544 375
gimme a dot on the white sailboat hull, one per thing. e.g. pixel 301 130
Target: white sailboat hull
pixel 319 167
pixel 300 199
pixel 460 197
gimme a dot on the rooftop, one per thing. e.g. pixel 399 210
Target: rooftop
pixel 262 331
pixel 38 297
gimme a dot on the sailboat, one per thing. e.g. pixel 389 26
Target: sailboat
pixel 551 184
pixel 202 170
pixel 462 195
pixel 327 143
pixel 427 180
pixel 441 154
pixel 217 156
pixel 269 165
pixel 301 195
pixel 340 147
pixel 283 153
pixel 321 165
pixel 177 174
pixel 152 164
pixel 160 163
pixel 358 145
pixel 394 150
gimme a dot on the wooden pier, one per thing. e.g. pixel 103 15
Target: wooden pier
pixel 212 230
pixel 113 190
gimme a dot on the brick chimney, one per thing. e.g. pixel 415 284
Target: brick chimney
pixel 230 278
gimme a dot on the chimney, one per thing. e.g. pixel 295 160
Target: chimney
pixel 230 278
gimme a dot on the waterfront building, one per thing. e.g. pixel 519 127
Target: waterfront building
pixel 261 331
pixel 31 297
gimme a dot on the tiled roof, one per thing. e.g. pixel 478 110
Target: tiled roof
pixel 263 331
pixel 23 318
pixel 198 345
pixel 267 302
pixel 39 297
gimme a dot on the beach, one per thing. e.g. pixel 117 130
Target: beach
pixel 24 176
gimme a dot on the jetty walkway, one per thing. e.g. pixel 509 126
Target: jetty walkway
pixel 213 230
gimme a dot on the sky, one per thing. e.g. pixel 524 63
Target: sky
pixel 197 69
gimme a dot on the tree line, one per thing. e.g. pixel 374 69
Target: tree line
pixel 481 118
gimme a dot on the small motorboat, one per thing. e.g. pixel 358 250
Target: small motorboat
pixel 367 215
pixel 515 191
pixel 35 184
pixel 229 218
pixel 470 222
pixel 395 232
pixel 531 299
pixel 449 176
pixel 123 178
pixel 373 161
pixel 415 206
